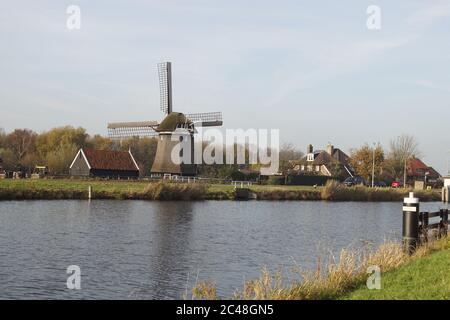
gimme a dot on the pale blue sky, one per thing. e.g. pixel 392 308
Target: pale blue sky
pixel 310 68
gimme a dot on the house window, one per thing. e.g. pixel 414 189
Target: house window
pixel 317 168
pixel 310 168
pixel 303 168
pixel 310 156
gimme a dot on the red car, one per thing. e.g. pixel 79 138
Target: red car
pixel 397 184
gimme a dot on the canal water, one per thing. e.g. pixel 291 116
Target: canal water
pixel 158 250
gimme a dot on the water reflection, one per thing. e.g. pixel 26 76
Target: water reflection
pixel 170 248
pixel 145 250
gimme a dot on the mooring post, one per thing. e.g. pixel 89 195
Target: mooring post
pixel 89 192
pixel 410 223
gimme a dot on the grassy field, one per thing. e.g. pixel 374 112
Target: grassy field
pixel 73 184
pixel 76 188
pixel 113 189
pixel 422 279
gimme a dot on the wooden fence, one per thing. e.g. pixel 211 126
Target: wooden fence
pixel 438 227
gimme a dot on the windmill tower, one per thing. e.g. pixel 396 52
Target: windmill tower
pixel 175 127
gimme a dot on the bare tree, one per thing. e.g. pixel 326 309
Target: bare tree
pixel 288 153
pixel 403 148
pixel 21 142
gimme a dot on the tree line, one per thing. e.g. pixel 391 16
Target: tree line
pixel 24 149
pixel 386 165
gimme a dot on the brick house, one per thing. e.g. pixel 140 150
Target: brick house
pixel 417 170
pixel 332 162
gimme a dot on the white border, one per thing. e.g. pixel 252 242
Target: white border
pixel 84 156
pixel 137 167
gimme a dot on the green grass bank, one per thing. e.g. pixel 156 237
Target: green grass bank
pixel 112 189
pixel 421 279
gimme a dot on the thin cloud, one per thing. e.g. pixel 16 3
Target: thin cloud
pixel 430 13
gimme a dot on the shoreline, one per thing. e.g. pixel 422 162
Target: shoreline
pixel 72 189
pixel 347 277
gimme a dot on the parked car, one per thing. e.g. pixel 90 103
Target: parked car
pixel 397 184
pixel 380 184
pixel 354 181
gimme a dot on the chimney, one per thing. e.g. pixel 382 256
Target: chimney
pixel 330 149
pixel 309 149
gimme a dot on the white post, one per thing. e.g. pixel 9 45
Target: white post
pixel 89 192
pixel 445 194
pixel 373 166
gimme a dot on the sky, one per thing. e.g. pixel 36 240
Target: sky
pixel 312 69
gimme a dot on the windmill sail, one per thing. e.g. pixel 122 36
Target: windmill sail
pixel 121 130
pixel 206 119
pixel 165 86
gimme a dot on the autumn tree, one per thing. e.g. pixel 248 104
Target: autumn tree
pixel 2 138
pixel 59 159
pixel 58 146
pixel 61 137
pixel 143 150
pixel 362 161
pixel 99 142
pixel 8 159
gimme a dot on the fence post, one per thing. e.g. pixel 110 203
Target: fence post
pixel 410 223
pixel 443 225
pixel 423 229
pixel 89 192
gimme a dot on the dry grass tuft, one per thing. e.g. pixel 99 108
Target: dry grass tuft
pixel 335 191
pixel 206 289
pixel 338 277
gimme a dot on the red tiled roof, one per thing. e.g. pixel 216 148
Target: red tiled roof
pixel 110 160
pixel 417 167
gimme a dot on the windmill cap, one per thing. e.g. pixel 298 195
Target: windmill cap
pixel 171 121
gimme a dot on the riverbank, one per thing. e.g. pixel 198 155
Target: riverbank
pixel 422 279
pixel 420 276
pixel 49 189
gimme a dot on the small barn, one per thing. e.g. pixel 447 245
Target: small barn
pixel 104 163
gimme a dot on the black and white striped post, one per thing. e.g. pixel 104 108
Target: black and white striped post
pixel 410 223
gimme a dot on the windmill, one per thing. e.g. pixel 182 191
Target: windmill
pixel 174 123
